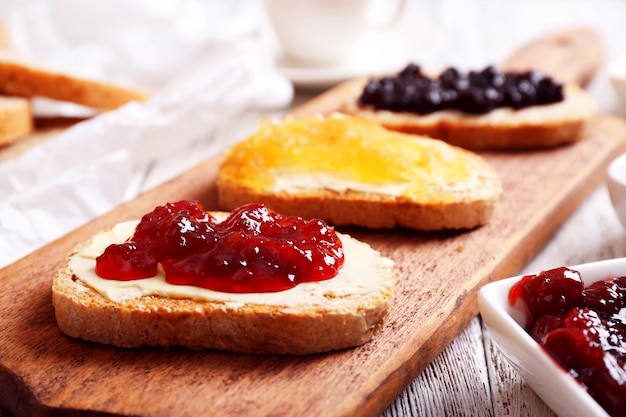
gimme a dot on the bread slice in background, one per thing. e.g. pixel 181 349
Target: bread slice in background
pixel 535 127
pixel 20 81
pixel 16 120
pixel 448 187
pixel 26 79
pixel 327 318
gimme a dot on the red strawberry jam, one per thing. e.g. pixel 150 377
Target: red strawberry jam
pixel 253 250
pixel 583 329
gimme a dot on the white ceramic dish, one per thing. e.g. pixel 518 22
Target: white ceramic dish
pixel 617 75
pixel 553 384
pixel 616 184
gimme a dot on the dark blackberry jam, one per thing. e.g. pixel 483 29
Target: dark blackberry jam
pixel 474 92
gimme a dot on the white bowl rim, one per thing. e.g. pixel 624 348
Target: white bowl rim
pixel 617 169
pixel 617 69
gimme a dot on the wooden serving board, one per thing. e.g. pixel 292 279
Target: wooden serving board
pixel 44 373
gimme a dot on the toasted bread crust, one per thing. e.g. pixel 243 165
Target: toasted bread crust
pixel 373 211
pixel 543 126
pixel 16 120
pixel 82 312
pixel 27 80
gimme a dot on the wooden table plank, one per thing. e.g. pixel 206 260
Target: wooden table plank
pixel 470 377
pixel 510 394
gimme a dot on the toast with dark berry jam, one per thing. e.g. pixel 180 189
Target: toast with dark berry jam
pixel 477 110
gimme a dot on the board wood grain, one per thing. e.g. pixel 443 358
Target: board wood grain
pixel 43 372
pixel 571 56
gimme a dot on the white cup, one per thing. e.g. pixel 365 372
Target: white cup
pixel 320 32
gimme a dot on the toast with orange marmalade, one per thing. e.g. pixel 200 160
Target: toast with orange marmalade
pixel 351 171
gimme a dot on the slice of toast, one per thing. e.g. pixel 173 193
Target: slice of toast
pixel 341 312
pixel 25 79
pixel 535 127
pixel 16 120
pixel 350 171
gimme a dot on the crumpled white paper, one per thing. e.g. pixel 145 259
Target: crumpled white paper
pixel 213 72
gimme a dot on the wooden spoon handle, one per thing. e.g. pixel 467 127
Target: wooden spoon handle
pixel 569 56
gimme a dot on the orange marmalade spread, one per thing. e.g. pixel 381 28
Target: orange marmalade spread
pixel 347 149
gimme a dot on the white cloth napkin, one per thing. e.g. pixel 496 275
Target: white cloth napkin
pixel 218 77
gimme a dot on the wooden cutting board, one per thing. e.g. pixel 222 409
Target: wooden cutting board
pixel 44 373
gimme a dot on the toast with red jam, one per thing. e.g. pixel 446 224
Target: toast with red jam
pixel 250 281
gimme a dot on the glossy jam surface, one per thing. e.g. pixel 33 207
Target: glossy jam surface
pixel 474 92
pixel 253 250
pixel 347 147
pixel 583 329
